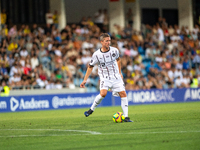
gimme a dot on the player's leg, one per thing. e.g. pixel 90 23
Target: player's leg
pixel 119 90
pixel 98 99
pixel 96 102
pixel 124 105
pixel 103 92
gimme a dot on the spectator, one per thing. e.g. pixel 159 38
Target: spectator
pixel 5 89
pixel 49 18
pixel 129 17
pixel 47 29
pixel 15 81
pixel 13 46
pixel 13 31
pixel 160 35
pixel 4 31
pixel 3 18
pixel 34 61
pixel 24 53
pixel 196 60
pixel 99 18
pixel 50 85
pixel 34 29
pixel 26 30
pixel 40 82
pixel 90 23
pixel 186 64
pixel 14 69
pixel 105 21
pixel 58 85
pixel 83 22
pixel 43 56
pixel 55 19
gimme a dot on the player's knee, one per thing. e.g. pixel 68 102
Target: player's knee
pixel 103 93
pixel 122 94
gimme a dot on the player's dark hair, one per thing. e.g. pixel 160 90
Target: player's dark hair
pixel 103 35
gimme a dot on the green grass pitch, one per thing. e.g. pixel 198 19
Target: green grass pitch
pixel 156 127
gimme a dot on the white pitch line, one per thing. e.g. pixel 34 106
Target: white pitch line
pixel 91 132
pixel 16 136
pixel 172 132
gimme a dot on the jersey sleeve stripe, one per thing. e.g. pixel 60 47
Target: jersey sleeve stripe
pixel 97 59
pixel 117 54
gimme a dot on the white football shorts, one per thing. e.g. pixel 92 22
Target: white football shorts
pixel 116 85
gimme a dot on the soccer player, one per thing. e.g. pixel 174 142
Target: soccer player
pixel 109 70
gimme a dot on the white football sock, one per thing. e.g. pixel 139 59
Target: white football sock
pixel 96 102
pixel 124 105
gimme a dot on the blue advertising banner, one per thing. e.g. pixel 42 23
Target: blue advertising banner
pixel 81 100
pixel 45 102
pixel 161 96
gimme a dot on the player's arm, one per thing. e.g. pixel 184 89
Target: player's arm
pixel 88 72
pixel 119 66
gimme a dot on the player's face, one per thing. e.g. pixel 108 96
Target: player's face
pixel 106 42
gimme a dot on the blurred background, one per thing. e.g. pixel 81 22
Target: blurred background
pixel 47 44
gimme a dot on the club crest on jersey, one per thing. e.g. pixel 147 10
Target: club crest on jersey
pixel 113 55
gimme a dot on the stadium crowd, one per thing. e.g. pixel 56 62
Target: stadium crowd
pixel 161 56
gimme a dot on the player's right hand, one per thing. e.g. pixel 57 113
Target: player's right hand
pixel 82 85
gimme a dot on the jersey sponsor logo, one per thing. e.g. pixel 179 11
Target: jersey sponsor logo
pixel 102 64
pixel 107 56
pixel 109 63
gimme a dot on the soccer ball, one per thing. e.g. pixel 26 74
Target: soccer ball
pixel 118 117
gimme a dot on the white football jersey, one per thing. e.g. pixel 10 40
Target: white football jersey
pixel 107 64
